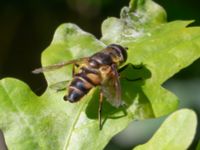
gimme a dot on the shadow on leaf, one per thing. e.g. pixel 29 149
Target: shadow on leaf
pixel 132 78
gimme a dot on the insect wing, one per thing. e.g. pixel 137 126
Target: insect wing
pixel 60 86
pixel 59 65
pixel 112 89
pixel 113 95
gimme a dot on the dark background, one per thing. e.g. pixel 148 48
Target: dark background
pixel 27 27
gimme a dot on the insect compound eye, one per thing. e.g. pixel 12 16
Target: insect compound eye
pixel 121 51
pixel 124 53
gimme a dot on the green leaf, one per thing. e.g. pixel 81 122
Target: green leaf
pixel 47 122
pixel 27 121
pixel 69 42
pixel 170 48
pixel 134 23
pixel 198 146
pixel 176 132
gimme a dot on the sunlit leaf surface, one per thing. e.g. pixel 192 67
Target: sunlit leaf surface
pixel 176 132
pixel 158 48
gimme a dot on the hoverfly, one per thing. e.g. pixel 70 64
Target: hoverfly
pixel 100 69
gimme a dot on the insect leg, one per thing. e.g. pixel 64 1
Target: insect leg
pixel 75 66
pixel 100 109
pixel 73 70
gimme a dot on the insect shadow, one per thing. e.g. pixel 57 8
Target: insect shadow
pixel 131 78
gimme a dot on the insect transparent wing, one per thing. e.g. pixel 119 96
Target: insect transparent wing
pixel 112 89
pixel 59 65
pixel 60 86
pixel 112 96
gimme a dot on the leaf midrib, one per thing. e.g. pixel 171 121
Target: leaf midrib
pixel 68 138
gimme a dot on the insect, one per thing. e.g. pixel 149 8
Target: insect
pixel 100 69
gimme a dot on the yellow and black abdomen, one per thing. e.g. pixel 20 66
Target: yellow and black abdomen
pixel 95 71
pixel 81 84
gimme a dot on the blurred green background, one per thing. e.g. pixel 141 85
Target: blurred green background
pixel 27 27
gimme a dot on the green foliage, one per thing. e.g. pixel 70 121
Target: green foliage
pixel 198 146
pixel 177 132
pixel 47 122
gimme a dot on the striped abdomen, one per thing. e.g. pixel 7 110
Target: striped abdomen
pixel 81 84
pixel 95 71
